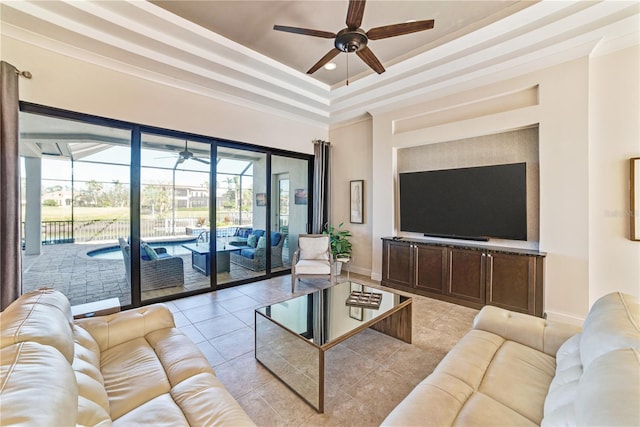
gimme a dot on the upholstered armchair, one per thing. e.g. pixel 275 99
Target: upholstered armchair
pixel 313 258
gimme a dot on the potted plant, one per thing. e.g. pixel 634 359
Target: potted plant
pixel 340 245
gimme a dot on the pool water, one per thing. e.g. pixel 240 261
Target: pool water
pixel 114 252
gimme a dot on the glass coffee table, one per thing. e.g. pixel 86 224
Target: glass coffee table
pixel 292 336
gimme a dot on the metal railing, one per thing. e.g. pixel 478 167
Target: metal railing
pixel 56 232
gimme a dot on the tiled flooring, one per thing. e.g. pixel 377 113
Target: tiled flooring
pixel 366 376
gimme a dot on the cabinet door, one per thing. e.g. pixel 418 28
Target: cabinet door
pixel 397 263
pixel 431 268
pixel 511 282
pixel 467 275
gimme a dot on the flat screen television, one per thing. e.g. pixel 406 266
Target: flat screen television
pixel 469 203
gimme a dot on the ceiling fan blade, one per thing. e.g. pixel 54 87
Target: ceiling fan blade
pixel 305 31
pixel 399 29
pixel 370 59
pixel 328 57
pixel 197 159
pixel 355 13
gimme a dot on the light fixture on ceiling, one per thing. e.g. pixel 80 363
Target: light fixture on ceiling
pixel 330 66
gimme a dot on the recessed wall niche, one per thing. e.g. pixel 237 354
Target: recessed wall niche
pixel 508 147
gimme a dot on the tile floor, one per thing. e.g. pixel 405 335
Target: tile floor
pixel 221 323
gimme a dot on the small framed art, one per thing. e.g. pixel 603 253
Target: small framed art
pixel 356 204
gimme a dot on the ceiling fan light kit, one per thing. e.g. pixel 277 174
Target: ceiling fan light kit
pixel 355 39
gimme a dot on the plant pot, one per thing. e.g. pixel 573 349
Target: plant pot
pixel 337 268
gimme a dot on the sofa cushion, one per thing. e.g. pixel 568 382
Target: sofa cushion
pixel 43 316
pixel 252 241
pixel 262 243
pixel 93 402
pixel 483 380
pixel 609 390
pixel 612 323
pixel 248 252
pixel 38 386
pixel 558 405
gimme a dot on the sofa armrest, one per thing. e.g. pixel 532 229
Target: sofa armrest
pixel 114 329
pixel 531 331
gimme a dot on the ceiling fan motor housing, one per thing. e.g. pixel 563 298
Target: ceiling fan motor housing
pixel 348 40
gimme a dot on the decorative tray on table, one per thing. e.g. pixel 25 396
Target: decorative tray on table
pixel 364 299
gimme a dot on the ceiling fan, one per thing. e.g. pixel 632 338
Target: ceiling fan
pixel 355 39
pixel 186 155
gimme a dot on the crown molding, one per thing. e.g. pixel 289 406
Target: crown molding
pixel 143 40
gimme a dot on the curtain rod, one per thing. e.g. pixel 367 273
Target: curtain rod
pixel 25 74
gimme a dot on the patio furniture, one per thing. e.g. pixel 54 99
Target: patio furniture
pixel 313 258
pixel 201 258
pixel 254 257
pixel 164 272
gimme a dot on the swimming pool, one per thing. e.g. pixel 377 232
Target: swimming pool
pixel 113 252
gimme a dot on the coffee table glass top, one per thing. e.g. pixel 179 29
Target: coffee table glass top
pixel 322 317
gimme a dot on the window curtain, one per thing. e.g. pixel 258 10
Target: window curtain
pixel 10 239
pixel 321 186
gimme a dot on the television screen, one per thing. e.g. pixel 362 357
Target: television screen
pixel 472 203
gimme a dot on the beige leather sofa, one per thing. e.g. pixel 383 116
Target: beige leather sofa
pixel 125 369
pixel 517 370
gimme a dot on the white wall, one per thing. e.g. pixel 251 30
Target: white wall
pixel 63 82
pixel 584 152
pixel 351 160
pixel 614 137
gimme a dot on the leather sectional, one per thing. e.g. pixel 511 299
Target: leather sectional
pixel 124 369
pixel 515 369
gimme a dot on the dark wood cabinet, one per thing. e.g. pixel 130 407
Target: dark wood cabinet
pixel 514 282
pixel 397 260
pixel 466 274
pixel 431 268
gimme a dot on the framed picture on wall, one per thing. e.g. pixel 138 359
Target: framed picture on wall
pixel 356 204
pixel 261 199
pixel 635 199
pixel 300 196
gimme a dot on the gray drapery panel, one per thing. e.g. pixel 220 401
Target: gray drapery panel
pixel 321 186
pixel 10 240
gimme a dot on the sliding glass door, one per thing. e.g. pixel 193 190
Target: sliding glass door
pixel 290 190
pixel 119 210
pixel 175 229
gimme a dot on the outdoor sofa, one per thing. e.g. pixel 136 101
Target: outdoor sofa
pixel 252 254
pixel 125 369
pixel 519 370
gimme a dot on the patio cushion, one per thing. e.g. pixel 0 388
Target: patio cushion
pixel 248 253
pixel 262 243
pixel 275 238
pixel 149 251
pixel 252 241
pixel 258 233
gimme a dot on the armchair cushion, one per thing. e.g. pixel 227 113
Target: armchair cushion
pixel 313 266
pixel 314 247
